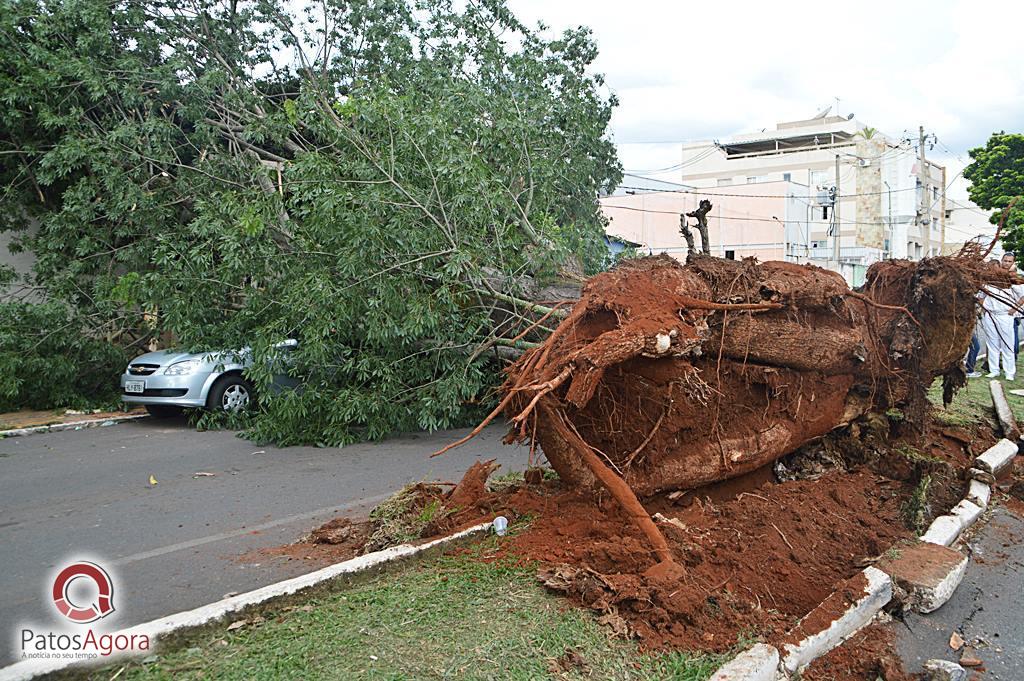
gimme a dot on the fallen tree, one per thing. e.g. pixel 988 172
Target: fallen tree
pixel 667 376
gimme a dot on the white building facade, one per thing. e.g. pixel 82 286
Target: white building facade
pixel 883 209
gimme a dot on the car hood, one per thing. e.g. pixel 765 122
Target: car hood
pixel 167 357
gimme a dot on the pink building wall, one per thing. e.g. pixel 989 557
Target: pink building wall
pixel 746 219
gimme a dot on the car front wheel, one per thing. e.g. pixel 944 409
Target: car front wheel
pixel 231 393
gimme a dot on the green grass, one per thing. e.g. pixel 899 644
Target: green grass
pixel 449 617
pixel 974 402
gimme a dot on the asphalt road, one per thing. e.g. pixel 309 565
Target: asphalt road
pixel 175 545
pixel 986 607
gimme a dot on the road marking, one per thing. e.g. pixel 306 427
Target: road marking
pixel 192 543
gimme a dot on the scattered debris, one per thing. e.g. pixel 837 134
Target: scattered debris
pixel 203 474
pixel 152 481
pixel 956 641
pixel 570 661
pixel 237 624
pixel 968 658
pixel 336 531
pixel 944 670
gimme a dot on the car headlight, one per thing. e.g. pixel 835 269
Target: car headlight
pixel 182 368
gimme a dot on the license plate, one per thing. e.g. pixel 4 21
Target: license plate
pixel 134 386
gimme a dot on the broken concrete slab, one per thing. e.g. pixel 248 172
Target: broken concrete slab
pixel 759 663
pixel 968 512
pixel 981 476
pixel 944 670
pixel 979 493
pixel 928 573
pixel 837 618
pixel 998 458
pixel 944 530
pixel 1007 421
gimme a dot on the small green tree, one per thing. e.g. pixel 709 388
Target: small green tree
pixel 996 174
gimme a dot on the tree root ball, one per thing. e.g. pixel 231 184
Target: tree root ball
pixel 671 376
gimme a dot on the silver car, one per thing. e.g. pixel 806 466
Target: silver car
pixel 167 381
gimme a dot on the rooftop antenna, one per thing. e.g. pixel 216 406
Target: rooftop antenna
pixel 822 113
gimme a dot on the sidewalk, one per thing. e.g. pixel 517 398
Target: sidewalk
pixel 28 418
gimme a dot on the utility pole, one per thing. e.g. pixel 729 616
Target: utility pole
pixel 835 217
pixel 942 235
pixel 924 174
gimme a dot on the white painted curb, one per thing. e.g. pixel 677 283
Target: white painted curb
pixel 877 594
pixel 967 512
pixel 997 458
pixel 979 493
pixel 205 614
pixel 930 600
pixel 71 425
pixel 944 530
pixel 759 663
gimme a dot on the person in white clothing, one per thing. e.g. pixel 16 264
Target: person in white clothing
pixel 998 307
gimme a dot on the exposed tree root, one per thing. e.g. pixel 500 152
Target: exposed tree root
pixel 790 353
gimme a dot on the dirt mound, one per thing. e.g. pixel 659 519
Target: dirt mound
pixel 753 562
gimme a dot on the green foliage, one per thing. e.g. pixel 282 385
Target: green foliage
pixel 996 174
pixel 895 415
pixel 916 508
pixel 47 360
pixel 364 199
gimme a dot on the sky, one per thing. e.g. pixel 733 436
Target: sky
pixel 707 70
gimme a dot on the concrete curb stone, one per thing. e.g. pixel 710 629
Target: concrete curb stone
pixel 928 573
pixel 876 594
pixel 71 425
pixel 944 530
pixel 979 493
pixel 758 663
pixel 967 511
pixel 997 458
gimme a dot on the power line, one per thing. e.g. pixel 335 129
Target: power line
pixel 648 190
pixel 732 217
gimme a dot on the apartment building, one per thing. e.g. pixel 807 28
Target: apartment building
pixel 888 207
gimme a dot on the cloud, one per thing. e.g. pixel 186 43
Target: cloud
pixel 686 71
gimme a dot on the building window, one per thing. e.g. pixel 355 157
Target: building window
pixel 730 255
pixel 819 178
pixel 935 193
pixel 724 181
pixel 786 177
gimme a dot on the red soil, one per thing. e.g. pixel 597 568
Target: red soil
pixel 868 655
pixel 754 561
